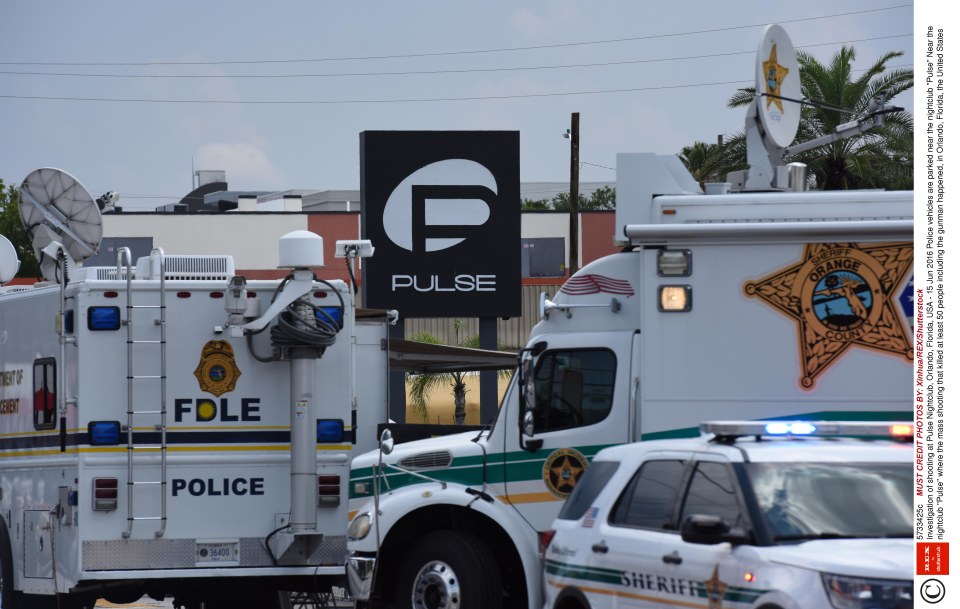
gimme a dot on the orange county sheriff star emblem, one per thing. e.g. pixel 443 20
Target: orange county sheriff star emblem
pixel 841 295
pixel 217 371
pixel 775 75
pixel 562 469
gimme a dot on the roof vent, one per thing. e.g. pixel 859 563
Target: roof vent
pixel 188 268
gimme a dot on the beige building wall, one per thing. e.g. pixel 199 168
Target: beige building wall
pixel 253 241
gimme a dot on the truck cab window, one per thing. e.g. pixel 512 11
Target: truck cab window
pixel 45 393
pixel 573 388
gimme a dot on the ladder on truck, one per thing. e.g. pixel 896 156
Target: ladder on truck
pixel 158 412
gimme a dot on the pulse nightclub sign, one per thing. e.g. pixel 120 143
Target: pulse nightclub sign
pixel 442 209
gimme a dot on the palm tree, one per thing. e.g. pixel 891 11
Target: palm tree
pixel 879 158
pixel 706 162
pixel 423 383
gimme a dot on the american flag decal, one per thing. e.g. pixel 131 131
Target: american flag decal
pixel 590 517
pixel 582 285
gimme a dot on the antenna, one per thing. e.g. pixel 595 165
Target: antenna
pixel 56 210
pixel 773 118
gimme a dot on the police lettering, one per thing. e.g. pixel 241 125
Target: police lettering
pixel 206 409
pixel 660 583
pixel 842 264
pixel 220 487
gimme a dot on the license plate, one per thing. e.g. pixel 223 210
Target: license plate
pixel 218 552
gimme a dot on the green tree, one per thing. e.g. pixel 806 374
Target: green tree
pixel 12 229
pixel 601 198
pixel 535 205
pixel 604 197
pixel 879 158
pixel 705 162
pixel 561 202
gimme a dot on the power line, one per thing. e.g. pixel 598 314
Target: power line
pixel 595 165
pixel 449 53
pixel 443 71
pixel 365 101
pixel 307 102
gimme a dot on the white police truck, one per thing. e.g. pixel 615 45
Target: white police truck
pixel 168 428
pixel 754 299
pixel 780 515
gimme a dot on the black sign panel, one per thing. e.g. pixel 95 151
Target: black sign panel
pixel 442 209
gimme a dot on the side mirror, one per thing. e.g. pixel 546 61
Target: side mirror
pixel 528 400
pixel 386 442
pixel 527 426
pixel 708 529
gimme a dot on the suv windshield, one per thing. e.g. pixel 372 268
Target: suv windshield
pixel 830 500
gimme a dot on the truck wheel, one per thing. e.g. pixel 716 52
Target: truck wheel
pixel 449 570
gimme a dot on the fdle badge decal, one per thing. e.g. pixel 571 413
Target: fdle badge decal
pixel 841 294
pixel 217 371
pixel 562 469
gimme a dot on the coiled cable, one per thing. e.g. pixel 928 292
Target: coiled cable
pixel 302 324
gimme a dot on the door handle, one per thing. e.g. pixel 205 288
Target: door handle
pixel 673 558
pixel 600 547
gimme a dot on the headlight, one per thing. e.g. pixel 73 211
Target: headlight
pixel 863 593
pixel 359 526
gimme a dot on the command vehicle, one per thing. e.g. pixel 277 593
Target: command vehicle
pixel 781 515
pixel 754 298
pixel 168 428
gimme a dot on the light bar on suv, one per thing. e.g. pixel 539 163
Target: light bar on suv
pixel 869 429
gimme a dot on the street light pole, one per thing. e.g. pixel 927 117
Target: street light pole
pixel 574 192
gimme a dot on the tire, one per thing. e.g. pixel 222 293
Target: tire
pixel 449 570
pixel 9 598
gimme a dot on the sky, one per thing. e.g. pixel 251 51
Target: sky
pixel 133 96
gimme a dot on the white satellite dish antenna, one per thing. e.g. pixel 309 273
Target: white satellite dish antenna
pixel 778 77
pixel 57 210
pixel 9 262
pixel 773 118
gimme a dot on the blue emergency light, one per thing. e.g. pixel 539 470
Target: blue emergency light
pixel 329 431
pixel 103 318
pixel 104 433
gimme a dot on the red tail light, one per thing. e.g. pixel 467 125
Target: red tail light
pixel 328 490
pixel 105 494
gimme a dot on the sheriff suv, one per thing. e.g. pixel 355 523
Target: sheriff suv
pixel 771 515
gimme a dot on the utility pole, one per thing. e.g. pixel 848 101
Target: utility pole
pixel 574 191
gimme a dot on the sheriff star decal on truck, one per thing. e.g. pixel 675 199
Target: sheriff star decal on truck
pixel 562 469
pixel 841 294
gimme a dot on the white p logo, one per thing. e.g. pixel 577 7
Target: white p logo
pixel 439 205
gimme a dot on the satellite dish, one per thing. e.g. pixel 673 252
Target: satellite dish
pixel 9 262
pixel 56 208
pixel 778 75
